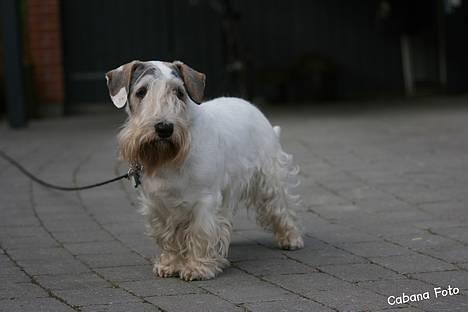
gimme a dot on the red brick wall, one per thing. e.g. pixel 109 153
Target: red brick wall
pixel 44 50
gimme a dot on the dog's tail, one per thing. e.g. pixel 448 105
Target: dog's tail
pixel 277 130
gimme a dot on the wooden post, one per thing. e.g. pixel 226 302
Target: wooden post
pixel 406 62
pixel 13 61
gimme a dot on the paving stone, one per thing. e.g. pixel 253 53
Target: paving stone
pixel 239 287
pixel 452 253
pixel 64 218
pixel 360 272
pixel 325 256
pixel 421 242
pixel 89 296
pixel 401 310
pixel 24 221
pixel 389 230
pixel 71 281
pixel 34 305
pixel 458 233
pixel 23 231
pixel 396 287
pixel 452 210
pixel 161 287
pixel 40 241
pixel 238 240
pixel 129 228
pixel 141 244
pixel 52 266
pixel 423 196
pixel 294 304
pixel 193 303
pixel 350 298
pixel 413 264
pixel 7 266
pixel 112 260
pixel 86 248
pixel 83 226
pixel 331 292
pixel 229 276
pixel 337 235
pixel 11 290
pixel 311 223
pixel 348 213
pixel 82 236
pixel 127 273
pixel 457 303
pixel 375 249
pixel 316 195
pixel 454 228
pixel 57 206
pixel 121 307
pixel 248 291
pixel 302 283
pixel 9 269
pixel 39 254
pixel 15 276
pixel 260 237
pixel 273 266
pixel 252 252
pixel 457 279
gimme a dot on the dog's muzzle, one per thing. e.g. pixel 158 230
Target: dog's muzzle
pixel 164 130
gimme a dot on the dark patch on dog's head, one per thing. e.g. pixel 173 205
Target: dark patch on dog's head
pixel 175 73
pixel 143 70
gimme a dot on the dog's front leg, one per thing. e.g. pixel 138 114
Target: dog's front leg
pixel 167 265
pixel 206 240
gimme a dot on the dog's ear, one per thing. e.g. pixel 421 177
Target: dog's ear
pixel 194 81
pixel 118 82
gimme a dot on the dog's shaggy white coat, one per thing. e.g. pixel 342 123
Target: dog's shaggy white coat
pixel 235 159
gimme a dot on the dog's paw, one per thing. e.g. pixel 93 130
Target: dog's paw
pixel 292 241
pixel 197 272
pixel 162 270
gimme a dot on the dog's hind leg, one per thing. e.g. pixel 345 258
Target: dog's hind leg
pixel 271 194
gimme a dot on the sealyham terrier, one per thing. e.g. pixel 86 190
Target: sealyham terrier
pixel 200 162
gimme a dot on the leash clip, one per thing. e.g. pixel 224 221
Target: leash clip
pixel 135 173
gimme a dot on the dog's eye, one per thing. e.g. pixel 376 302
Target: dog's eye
pixel 180 93
pixel 141 92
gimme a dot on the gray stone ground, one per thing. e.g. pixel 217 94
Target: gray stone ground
pixel 385 194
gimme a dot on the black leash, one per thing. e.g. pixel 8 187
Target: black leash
pixel 133 172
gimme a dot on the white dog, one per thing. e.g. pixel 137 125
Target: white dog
pixel 200 162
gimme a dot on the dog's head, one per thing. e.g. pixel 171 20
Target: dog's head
pixel 158 98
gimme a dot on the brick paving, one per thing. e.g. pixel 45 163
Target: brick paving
pixel 385 192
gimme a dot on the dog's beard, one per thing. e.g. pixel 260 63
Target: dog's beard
pixel 141 147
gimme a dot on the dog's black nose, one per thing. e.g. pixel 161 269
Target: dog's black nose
pixel 164 130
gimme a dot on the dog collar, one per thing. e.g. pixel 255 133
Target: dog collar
pixel 134 173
